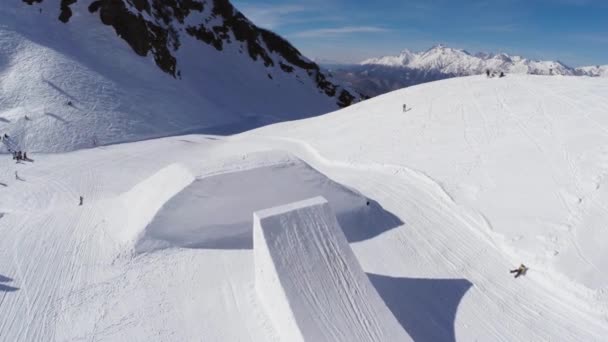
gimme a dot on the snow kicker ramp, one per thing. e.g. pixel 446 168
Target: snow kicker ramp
pixel 138 206
pixel 310 282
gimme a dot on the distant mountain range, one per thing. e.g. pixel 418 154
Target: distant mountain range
pixel 376 76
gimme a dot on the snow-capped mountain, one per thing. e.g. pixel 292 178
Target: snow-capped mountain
pixel 380 75
pixel 140 69
pixel 593 71
pixel 460 62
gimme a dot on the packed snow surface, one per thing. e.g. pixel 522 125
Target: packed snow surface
pixel 478 176
pixel 310 281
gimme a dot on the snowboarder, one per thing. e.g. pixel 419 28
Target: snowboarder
pixel 502 74
pixel 24 156
pixel 404 108
pixel 488 72
pixel 81 200
pixel 521 270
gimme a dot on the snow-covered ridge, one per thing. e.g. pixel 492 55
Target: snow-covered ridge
pixel 86 80
pixel 160 28
pixel 594 71
pixel 380 75
pixel 462 63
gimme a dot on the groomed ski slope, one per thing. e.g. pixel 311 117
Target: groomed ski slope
pixel 480 175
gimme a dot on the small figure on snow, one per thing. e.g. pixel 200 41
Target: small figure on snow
pixel 488 72
pixel 81 201
pixel 24 155
pixel 521 270
pixel 502 74
pixel 404 108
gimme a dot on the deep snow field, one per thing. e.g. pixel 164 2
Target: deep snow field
pixel 437 203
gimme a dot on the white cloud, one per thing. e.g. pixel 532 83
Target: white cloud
pixel 271 17
pixel 339 31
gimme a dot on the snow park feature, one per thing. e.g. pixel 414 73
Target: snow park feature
pixel 141 203
pixel 309 279
pixel 215 211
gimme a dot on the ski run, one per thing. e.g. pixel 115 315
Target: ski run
pixel 426 210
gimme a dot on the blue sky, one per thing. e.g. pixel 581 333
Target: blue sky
pixel 573 31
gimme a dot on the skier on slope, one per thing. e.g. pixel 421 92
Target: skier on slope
pixel 521 270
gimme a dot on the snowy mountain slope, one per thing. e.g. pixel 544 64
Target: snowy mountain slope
pixel 594 71
pixel 481 175
pixel 182 67
pixel 377 76
pixel 508 148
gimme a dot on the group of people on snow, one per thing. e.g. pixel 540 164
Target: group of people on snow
pixel 19 156
pixel 494 73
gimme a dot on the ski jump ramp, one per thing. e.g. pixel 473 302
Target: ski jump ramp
pixel 310 282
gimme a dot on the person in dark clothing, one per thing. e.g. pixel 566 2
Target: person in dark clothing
pixel 521 270
pixel 24 155
pixel 81 200
pixel 488 72
pixel 502 74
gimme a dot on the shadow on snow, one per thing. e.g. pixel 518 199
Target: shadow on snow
pixel 6 288
pixel 426 308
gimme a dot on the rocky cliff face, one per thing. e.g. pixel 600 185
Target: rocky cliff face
pixel 159 28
